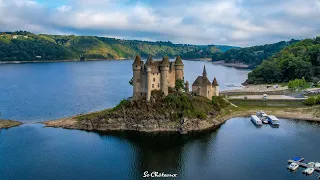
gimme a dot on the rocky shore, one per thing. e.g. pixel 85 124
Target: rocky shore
pixel 8 124
pixel 147 125
pixel 162 124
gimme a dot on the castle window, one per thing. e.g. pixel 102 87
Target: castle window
pixel 158 85
pixel 152 85
pixel 157 73
pixel 154 79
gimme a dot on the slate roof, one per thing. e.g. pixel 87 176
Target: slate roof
pixel 137 60
pixel 178 61
pixel 215 82
pixel 201 81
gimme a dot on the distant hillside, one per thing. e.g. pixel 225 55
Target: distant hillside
pixel 25 46
pixel 296 61
pixel 252 56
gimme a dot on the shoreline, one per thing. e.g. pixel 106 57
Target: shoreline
pixel 6 124
pixel 53 61
pixel 305 114
pixel 235 65
pixel 77 60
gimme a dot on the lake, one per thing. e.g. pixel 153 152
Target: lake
pixel 237 150
pixel 36 92
pixel 44 91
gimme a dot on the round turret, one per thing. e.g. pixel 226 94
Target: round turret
pixel 178 61
pixel 149 61
pixel 179 68
pixel 165 61
pixel 137 61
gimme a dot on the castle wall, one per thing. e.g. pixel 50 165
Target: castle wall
pixel 155 81
pixel 171 78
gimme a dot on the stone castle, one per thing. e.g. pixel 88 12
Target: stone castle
pixel 161 75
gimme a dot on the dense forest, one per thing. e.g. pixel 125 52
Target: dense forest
pixel 25 46
pixel 301 60
pixel 252 56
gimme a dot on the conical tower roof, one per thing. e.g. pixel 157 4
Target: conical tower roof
pixel 149 60
pixel 204 74
pixel 178 61
pixel 165 61
pixel 215 82
pixel 137 60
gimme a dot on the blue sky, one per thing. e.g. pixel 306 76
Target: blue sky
pixel 231 22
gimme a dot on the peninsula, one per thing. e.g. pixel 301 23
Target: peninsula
pixel 8 124
pixel 161 102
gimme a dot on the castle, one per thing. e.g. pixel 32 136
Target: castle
pixel 161 75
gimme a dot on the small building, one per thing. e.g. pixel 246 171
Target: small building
pixel 38 57
pixel 203 87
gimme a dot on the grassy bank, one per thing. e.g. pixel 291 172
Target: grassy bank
pixel 277 103
pixel 299 113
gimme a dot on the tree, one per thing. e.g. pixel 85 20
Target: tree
pixel 179 85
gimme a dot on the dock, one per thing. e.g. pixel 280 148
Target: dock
pixel 300 163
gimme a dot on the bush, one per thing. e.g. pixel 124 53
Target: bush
pixel 310 101
pixel 318 99
pixel 298 83
pixel 219 102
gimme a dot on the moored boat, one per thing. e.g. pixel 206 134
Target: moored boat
pixel 293 166
pixel 274 121
pixel 256 120
pixel 308 171
pixel 262 116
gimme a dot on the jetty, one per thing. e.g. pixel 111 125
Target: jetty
pixel 300 163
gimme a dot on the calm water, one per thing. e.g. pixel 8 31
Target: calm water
pixel 44 91
pixel 238 150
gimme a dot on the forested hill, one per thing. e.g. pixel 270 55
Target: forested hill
pixel 296 61
pixel 252 56
pixel 25 46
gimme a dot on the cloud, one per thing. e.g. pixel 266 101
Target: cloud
pixel 233 22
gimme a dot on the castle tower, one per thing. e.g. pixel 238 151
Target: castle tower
pixel 204 74
pixel 164 68
pixel 136 67
pixel 215 87
pixel 149 83
pixel 179 68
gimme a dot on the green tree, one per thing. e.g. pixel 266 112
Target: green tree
pixel 179 85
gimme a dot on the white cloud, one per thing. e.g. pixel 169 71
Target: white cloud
pixel 234 22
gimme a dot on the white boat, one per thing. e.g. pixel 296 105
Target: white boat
pixel 256 120
pixel 308 171
pixel 317 165
pixel 262 116
pixel 273 120
pixel 311 164
pixel 293 166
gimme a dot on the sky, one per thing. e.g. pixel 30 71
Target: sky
pixel 225 22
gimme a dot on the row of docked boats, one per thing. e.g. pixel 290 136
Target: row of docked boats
pixel 262 118
pixel 310 167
